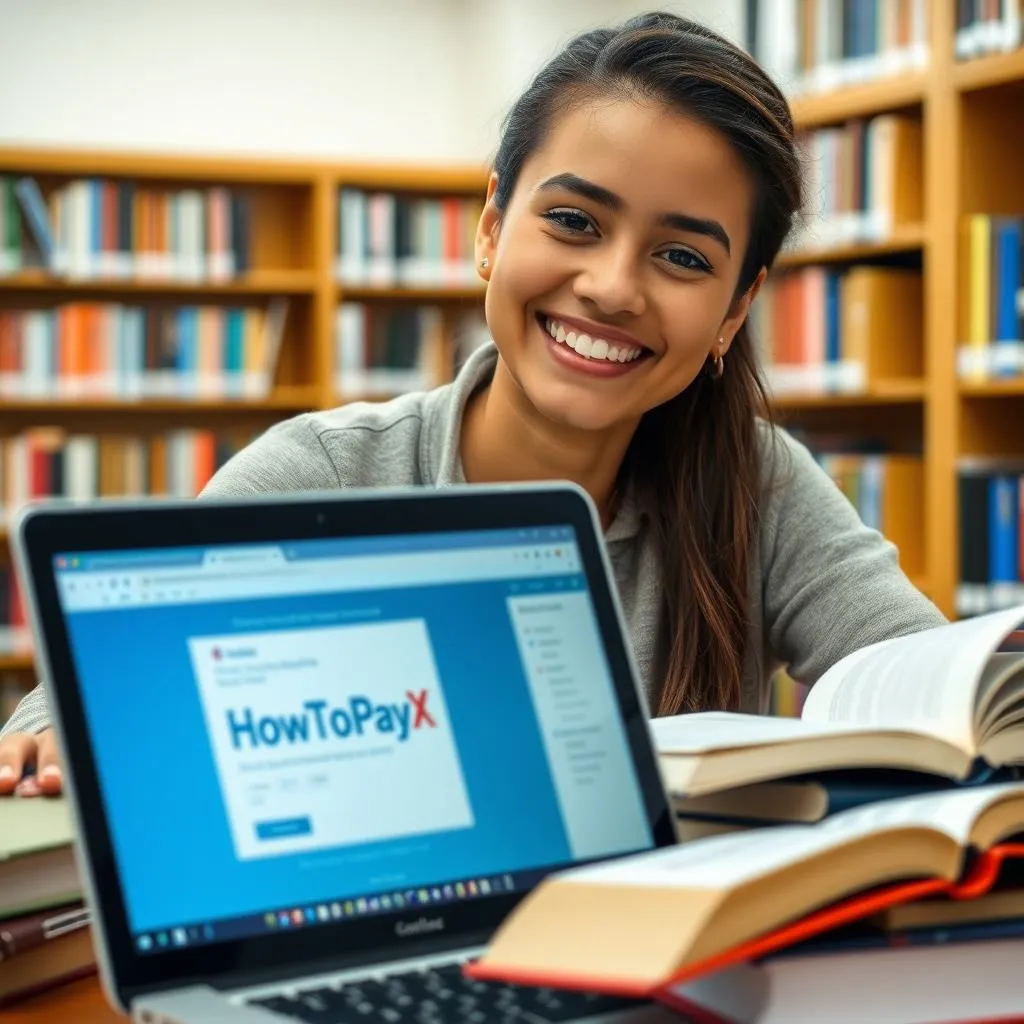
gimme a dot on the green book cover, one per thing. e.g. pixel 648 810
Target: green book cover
pixel 37 864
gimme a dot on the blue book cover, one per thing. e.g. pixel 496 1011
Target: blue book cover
pixel 832 347
pixel 33 206
pixel 1004 513
pixel 1007 274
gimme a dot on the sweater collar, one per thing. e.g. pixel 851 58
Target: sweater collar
pixel 442 459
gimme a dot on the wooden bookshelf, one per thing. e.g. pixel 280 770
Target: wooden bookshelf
pixel 887 94
pixel 972 149
pixel 16 662
pixel 993 388
pixel 986 72
pixel 294 213
pixel 883 392
pixel 425 295
pixel 259 283
pixel 282 399
pixel 905 240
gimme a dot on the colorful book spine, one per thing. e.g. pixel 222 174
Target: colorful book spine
pixel 991 298
pixel 386 351
pixel 823 331
pixel 864 182
pixel 109 350
pixel 987 26
pixel 100 228
pixel 14 631
pixel 813 46
pixel 991 494
pixel 46 462
pixel 389 240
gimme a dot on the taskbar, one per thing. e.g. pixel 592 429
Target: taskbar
pixel 349 908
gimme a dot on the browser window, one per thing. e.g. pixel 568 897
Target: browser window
pixel 302 731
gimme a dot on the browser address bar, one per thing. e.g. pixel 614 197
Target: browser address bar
pixel 327 575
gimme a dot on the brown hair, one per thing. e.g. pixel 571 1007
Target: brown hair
pixel 695 462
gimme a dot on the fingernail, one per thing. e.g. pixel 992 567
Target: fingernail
pixel 50 772
pixel 28 787
pixel 6 773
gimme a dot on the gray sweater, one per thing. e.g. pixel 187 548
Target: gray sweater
pixel 821 583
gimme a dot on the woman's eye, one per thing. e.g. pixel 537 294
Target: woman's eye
pixel 686 259
pixel 575 221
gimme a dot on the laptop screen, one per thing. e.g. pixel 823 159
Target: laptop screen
pixel 306 732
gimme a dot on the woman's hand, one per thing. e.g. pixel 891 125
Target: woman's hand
pixel 20 750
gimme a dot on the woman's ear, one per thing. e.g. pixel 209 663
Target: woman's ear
pixel 487 231
pixel 738 313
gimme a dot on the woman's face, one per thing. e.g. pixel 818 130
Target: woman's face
pixel 613 271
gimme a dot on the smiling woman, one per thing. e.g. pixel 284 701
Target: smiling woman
pixel 643 187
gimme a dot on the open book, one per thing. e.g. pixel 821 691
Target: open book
pixel 640 924
pixel 947 702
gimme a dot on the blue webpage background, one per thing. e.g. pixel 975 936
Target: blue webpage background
pixel 169 826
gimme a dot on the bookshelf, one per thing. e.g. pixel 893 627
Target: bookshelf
pixel 970 147
pixel 967 102
pixel 170 245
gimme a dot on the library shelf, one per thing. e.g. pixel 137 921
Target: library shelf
pixel 882 392
pixel 257 282
pixel 414 178
pixel 896 92
pixel 438 294
pixel 157 166
pixel 905 240
pixel 995 388
pixel 16 662
pixel 988 71
pixel 289 398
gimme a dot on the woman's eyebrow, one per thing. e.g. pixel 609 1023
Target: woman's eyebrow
pixel 569 182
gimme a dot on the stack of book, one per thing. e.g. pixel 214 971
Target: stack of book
pixel 45 939
pixel 824 862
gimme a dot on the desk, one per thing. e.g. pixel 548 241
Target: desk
pixel 81 1002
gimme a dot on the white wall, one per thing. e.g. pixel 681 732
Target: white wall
pixel 416 80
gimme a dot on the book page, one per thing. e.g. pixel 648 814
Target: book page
pixel 926 681
pixel 1001 689
pixel 704 731
pixel 728 861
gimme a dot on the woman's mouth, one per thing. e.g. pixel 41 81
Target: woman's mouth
pixel 591 347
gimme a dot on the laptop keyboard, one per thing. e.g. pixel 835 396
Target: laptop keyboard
pixel 441 995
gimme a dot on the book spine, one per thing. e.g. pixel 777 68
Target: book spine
pixel 20 934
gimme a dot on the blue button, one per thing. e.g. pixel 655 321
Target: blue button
pixel 283 827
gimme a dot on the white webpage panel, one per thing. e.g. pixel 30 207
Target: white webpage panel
pixel 329 737
pixel 580 723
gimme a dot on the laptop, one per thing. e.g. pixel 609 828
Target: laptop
pixel 319 746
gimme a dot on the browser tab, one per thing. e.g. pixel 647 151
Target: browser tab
pixel 262 557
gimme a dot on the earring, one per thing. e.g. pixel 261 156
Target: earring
pixel 718 363
pixel 485 263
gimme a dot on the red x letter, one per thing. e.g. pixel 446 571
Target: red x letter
pixel 419 703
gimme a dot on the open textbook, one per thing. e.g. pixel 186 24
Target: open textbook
pixel 643 923
pixel 948 702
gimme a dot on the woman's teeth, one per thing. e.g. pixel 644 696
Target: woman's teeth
pixel 592 348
